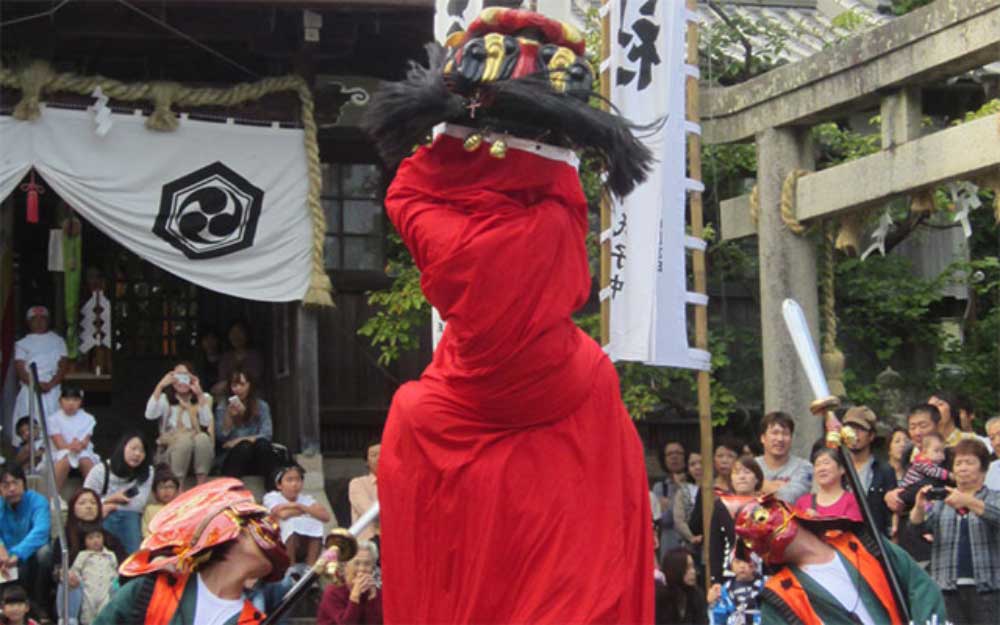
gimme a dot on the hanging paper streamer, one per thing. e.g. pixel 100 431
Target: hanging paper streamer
pixel 102 113
pixel 965 197
pixel 878 237
pixel 95 323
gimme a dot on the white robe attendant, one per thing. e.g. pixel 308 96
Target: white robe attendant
pixel 45 350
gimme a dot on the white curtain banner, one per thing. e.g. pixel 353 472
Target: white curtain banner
pixel 648 284
pixel 221 205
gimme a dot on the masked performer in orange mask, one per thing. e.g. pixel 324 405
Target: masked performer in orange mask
pixel 202 548
pixel 829 570
pixel 512 480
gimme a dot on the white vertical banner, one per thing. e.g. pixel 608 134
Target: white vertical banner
pixel 454 15
pixel 648 283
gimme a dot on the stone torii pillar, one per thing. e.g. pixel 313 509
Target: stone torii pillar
pixel 787 269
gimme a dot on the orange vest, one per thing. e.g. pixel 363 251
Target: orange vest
pixel 787 587
pixel 167 593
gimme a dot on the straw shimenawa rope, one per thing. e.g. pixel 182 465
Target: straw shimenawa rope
pixel 787 203
pixel 38 78
pixel 833 358
pixel 991 181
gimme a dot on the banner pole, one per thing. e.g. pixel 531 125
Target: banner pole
pixel 700 281
pixel 605 278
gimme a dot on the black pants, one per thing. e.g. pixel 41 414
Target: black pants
pixel 256 458
pixel 968 607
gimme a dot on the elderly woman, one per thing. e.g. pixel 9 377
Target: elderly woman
pixel 965 555
pixel 359 599
pixel 184 411
pixel 830 498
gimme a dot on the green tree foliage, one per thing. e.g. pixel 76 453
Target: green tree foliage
pixel 902 7
pixel 401 310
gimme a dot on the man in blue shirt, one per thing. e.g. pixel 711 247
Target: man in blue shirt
pixel 24 532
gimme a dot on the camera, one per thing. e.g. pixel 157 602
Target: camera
pixel 132 492
pixel 937 493
pixel 182 378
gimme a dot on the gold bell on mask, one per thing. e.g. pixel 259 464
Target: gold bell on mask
pixel 472 142
pixel 498 149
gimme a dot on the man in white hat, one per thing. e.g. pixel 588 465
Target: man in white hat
pixel 48 351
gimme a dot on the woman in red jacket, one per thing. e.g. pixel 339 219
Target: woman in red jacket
pixel 357 600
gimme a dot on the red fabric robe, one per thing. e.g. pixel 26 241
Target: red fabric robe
pixel 512 480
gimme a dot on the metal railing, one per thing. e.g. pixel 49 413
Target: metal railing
pixel 36 408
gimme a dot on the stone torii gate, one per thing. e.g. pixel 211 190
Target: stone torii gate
pixel 886 65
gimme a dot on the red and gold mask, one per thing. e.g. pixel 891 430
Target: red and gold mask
pixel 506 44
pixel 767 526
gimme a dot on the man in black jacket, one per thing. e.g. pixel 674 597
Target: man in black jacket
pixel 876 474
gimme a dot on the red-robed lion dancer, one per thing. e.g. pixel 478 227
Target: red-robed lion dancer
pixel 512 481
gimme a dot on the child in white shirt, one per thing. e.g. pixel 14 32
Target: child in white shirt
pixel 71 428
pixel 97 567
pixel 301 518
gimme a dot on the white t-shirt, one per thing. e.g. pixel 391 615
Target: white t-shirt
pixel 303 524
pixel 837 581
pixel 78 427
pixel 213 610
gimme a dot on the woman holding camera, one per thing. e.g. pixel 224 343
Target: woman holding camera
pixel 245 430
pixel 123 482
pixel 965 522
pixel 186 428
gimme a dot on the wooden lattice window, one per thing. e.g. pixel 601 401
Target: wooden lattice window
pixel 355 230
pixel 155 313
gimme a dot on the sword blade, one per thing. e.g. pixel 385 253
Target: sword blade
pixel 798 329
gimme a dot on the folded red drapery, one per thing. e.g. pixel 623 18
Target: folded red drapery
pixel 512 480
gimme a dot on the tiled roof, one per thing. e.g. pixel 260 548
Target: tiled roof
pixel 808 23
pixel 810 28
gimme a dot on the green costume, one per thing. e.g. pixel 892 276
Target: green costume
pixel 923 596
pixel 125 607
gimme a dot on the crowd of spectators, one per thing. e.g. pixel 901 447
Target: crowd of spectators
pixel 932 487
pixel 216 426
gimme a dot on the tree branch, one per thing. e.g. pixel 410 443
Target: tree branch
pixel 747 46
pixel 903 230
